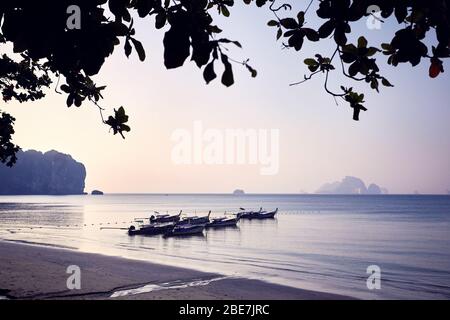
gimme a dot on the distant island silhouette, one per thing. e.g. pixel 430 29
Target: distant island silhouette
pixel 97 193
pixel 37 173
pixel 351 185
pixel 238 192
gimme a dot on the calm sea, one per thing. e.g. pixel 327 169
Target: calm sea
pixel 317 242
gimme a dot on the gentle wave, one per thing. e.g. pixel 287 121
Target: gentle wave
pixel 178 284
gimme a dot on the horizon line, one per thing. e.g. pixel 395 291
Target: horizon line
pixel 273 193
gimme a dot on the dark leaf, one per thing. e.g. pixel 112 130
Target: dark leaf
pixel 296 41
pixel 160 20
pixel 310 62
pixel 128 48
pixel 139 49
pixel 435 70
pixel 176 47
pixel 353 69
pixel 340 37
pixel 326 29
pixel 209 74
pixel 225 11
pixel 401 12
pixel 386 83
pixel 227 76
pixel 362 42
pixel 279 34
pixel 301 17
pixel 311 34
pixel 253 72
pixel 289 23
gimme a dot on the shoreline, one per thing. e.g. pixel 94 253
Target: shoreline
pixel 34 271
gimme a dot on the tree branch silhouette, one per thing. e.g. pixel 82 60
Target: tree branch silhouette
pixel 44 46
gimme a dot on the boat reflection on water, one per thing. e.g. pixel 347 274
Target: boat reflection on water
pixel 185 230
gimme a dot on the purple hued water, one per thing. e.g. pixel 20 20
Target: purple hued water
pixel 318 242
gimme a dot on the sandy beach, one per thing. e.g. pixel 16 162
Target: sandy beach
pixel 37 272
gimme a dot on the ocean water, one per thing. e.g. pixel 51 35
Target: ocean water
pixel 318 242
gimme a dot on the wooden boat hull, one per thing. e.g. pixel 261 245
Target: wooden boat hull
pixel 150 230
pixel 264 215
pixel 222 223
pixel 195 220
pixel 185 231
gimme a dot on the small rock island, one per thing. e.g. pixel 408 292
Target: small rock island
pixel 97 193
pixel 238 192
pixel 351 185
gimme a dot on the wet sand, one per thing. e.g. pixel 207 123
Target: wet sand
pixel 37 272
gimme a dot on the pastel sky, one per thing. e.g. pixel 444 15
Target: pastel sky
pixel 402 142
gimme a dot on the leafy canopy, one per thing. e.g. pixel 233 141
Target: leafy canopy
pixel 44 46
